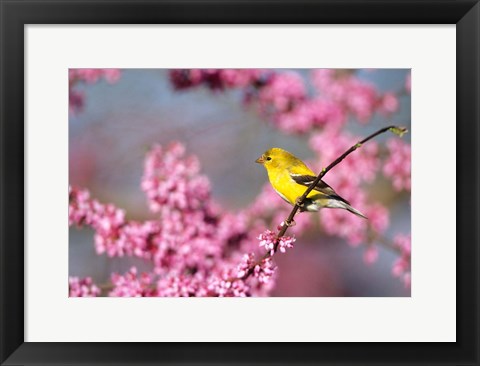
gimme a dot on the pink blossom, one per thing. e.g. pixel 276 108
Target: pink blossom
pixel 328 83
pixel 401 267
pixel 282 96
pixel 132 285
pixel 108 221
pixel 326 113
pixel 76 101
pixel 407 280
pixel 111 75
pixel 389 104
pixel 172 180
pixel 378 218
pixel 184 78
pixel 82 287
pixel 224 288
pixel 138 239
pixel 265 270
pixel 195 248
pixel 404 243
pixel 345 225
pixel 239 78
pixel 269 240
pixel 218 283
pixel 309 114
pixel 281 92
pixel 181 286
pixel 371 254
pixel 92 76
pixel 354 229
pixel 80 209
pixel 285 242
pixel 114 235
pixel 397 167
pixel 246 263
pixel 215 79
pixel 360 98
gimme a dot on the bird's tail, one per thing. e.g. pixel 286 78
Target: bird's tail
pixel 339 202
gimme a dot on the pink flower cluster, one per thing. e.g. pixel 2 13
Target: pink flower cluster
pixel 114 235
pixel 92 76
pixel 371 254
pixel 82 287
pixel 265 270
pixel 310 114
pixel 215 79
pixel 246 264
pixel 194 247
pixel 172 180
pixel 359 98
pixel 283 98
pixel 88 76
pixel 281 92
pixel 249 278
pixel 401 267
pixel 132 285
pixel 397 167
pixel 269 240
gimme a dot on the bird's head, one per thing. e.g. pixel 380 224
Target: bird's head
pixel 275 157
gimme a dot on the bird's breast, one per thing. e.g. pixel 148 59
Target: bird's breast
pixel 286 187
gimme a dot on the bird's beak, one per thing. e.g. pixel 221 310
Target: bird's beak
pixel 260 160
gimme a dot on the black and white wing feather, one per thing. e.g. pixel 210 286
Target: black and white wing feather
pixel 322 187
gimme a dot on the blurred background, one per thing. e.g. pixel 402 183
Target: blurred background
pixel 118 123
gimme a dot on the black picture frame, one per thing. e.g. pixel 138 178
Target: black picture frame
pixel 15 14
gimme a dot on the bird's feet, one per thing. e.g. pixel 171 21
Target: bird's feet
pixel 299 202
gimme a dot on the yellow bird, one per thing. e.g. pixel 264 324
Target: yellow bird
pixel 290 178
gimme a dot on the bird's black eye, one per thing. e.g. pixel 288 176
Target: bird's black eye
pixel 269 158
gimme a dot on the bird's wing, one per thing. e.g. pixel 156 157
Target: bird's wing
pixel 322 187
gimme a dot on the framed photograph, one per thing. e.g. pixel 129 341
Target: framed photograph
pixel 240 182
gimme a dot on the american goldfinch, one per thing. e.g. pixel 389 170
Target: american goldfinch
pixel 290 178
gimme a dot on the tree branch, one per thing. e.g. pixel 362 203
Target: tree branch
pixel 400 131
